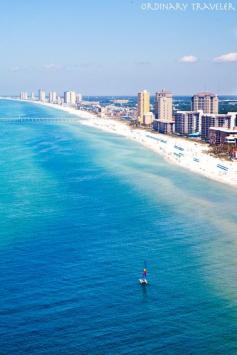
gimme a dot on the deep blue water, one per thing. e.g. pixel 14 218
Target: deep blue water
pixel 80 210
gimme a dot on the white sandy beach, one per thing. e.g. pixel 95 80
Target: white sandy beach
pixel 187 154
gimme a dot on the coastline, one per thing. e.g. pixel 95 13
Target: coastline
pixel 190 155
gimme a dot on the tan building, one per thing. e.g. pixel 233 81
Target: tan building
pixel 207 102
pixel 148 119
pixel 143 105
pixel 164 106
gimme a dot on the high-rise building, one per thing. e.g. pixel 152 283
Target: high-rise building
pixel 59 100
pixel 42 95
pixel 164 112
pixel 24 95
pixel 143 105
pixel 78 98
pixel 164 106
pixel 70 97
pixel 52 97
pixel 188 122
pixel 207 102
pixel 32 96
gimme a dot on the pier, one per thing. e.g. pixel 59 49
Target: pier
pixel 24 120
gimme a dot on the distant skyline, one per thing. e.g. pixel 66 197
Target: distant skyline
pixel 117 47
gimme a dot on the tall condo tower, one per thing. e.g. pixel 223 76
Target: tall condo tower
pixel 24 95
pixel 164 106
pixel 52 97
pixel 207 102
pixel 70 97
pixel 143 105
pixel 42 95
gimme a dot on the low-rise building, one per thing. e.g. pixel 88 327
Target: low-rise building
pixel 222 120
pixel 148 119
pixel 220 135
pixel 164 126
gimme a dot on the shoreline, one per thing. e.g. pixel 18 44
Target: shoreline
pixel 193 156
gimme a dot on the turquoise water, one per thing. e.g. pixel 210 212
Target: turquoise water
pixel 80 211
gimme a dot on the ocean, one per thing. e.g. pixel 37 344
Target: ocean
pixel 80 212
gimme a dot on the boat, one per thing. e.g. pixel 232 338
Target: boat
pixel 143 280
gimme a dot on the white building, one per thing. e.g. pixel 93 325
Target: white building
pixel 70 97
pixel 79 98
pixel 222 120
pixel 42 95
pixel 59 100
pixel 188 122
pixel 24 95
pixel 52 97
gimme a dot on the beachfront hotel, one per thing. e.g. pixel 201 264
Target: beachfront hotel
pixel 164 112
pixel 42 95
pixel 207 102
pixel 78 98
pixel 52 97
pixel 70 97
pixel 188 122
pixel 143 105
pixel 222 120
pixel 24 95
pixel 164 106
pixel 220 135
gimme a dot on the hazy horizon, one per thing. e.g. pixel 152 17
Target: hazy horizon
pixel 113 47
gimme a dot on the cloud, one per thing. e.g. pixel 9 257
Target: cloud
pixel 226 58
pixel 188 59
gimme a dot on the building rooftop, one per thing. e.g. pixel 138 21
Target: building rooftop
pixel 226 130
pixel 189 112
pixel 166 121
pixel 164 92
pixel 217 115
pixel 205 94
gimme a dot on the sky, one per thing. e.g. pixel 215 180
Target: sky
pixel 116 47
